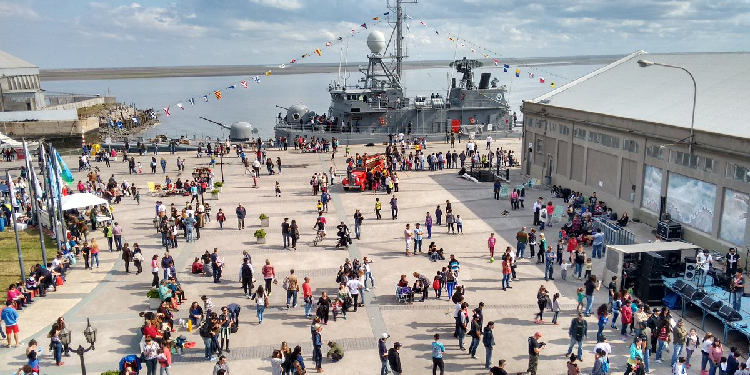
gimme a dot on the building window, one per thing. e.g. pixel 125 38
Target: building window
pixel 708 164
pixel 685 159
pixel 594 137
pixel 610 141
pixel 579 133
pixel 539 146
pixel 737 172
pixel 630 145
pixel 656 152
pixel 564 130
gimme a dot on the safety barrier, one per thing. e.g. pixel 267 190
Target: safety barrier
pixel 613 233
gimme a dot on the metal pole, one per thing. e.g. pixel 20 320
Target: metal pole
pixel 695 94
pixel 399 52
pixel 15 226
pixel 60 218
pixel 34 203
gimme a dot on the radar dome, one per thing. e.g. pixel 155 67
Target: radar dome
pixel 240 131
pixel 297 112
pixel 376 42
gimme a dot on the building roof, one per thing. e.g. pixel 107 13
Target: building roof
pixel 664 95
pixel 11 65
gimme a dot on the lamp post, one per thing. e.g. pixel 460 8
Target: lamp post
pixel 90 334
pixel 646 63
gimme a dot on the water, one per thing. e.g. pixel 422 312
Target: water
pixel 256 104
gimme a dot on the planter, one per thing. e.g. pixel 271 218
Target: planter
pixel 260 240
pixel 154 303
pixel 264 222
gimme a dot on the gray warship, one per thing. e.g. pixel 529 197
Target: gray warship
pixel 376 107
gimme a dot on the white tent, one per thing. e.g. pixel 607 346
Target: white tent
pixel 81 200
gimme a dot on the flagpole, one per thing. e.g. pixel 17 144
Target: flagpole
pixel 50 198
pixel 34 203
pixel 61 218
pixel 15 225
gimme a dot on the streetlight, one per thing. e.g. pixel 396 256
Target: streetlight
pixel 90 334
pixel 646 63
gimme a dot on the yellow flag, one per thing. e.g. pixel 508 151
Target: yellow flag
pixel 268 73
pixel 552 84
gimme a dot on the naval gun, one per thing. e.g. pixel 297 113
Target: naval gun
pixel 240 131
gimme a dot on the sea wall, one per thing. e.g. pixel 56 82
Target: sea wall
pixel 56 129
pixel 80 103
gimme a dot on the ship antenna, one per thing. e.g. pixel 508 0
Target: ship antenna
pixel 399 35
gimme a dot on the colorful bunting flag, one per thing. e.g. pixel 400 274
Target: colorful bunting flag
pixel 64 171
pixel 268 73
pixel 293 61
pixel 364 25
pixel 191 101
pixel 318 52
pixel 541 79
pixel 166 110
pixel 282 66
pixel 205 98
pixel 243 83
pixel 180 106
pixel 328 44
pixel 135 119
pixel 518 72
pixel 552 85
pixel 375 18
pixel 495 61
pixel 232 86
pixel 217 93
pixel 256 79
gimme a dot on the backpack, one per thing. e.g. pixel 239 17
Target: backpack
pixel 605 365
pixel 205 330
pixel 436 284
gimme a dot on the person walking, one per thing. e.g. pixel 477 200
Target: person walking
pixel 285 232
pixel 549 263
pixel 408 235
pixel 246 277
pixel 437 355
pixel 488 340
pixel 475 332
pixel 428 225
pixel 291 284
pixel 522 238
pixel 117 234
pixel 307 296
pixel 317 342
pixel 438 216
pixel 269 275
pixel 679 337
pixel 378 207
pixel 577 331
pixel 261 302
pixel 358 219
pixel 155 271
pixel 394 208
pixel 241 213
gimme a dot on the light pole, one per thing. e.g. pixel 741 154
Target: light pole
pixel 90 334
pixel 646 63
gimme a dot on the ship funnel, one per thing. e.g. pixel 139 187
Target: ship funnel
pixel 376 42
pixel 484 81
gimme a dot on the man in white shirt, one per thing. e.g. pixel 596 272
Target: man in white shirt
pixel 604 346
pixel 489 141
pixel 354 286
pixel 407 238
pixel 704 264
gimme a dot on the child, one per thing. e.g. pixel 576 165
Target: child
pixel 555 308
pixel 459 224
pixel 278 190
pixel 139 169
pixel 436 285
pixel 679 367
pixel 588 267
pixel 564 269
pixel 691 344
pixel 319 206
pixel 579 308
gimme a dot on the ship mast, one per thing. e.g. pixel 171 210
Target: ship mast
pixel 399 38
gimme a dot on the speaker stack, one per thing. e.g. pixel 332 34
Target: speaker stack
pixel 729 314
pixel 690 269
pixel 650 284
pixel 711 303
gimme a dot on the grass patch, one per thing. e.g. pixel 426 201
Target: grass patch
pixel 30 249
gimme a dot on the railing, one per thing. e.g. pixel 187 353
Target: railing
pixel 613 233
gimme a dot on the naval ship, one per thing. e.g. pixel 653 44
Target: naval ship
pixel 376 107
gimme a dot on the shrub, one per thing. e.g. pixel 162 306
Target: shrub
pixel 263 217
pixel 260 233
pixel 152 293
pixel 218 184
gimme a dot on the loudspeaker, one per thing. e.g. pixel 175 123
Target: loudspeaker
pixel 711 303
pixel 688 291
pixel 697 296
pixel 650 291
pixel 690 268
pixel 728 313
pixel 678 286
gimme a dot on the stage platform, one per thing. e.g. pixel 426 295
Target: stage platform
pixel 742 326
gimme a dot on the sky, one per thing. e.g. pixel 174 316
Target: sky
pixel 113 33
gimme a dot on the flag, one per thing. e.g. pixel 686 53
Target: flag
pixel 166 110
pixel 11 189
pixel 30 170
pixel 217 93
pixel 375 18
pixel 518 72
pixel 423 24
pixel 205 98
pixel 552 85
pixel 232 86
pixel 328 44
pixel 152 114
pixel 293 61
pixel 451 38
pixel 191 101
pixel 495 61
pixel 506 66
pixel 386 13
pixel 282 66
pixel 180 106
pixel 541 79
pixel 318 52
pixel 135 119
pixel 340 38
pixel 119 125
pixel 111 123
pixel 268 73
pixel 64 171
pixel 364 25
pixel 256 79
pixel 531 75
pixel 436 32
pixel 243 83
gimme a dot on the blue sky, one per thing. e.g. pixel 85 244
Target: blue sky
pixel 109 33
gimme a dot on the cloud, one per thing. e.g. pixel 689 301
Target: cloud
pixel 279 4
pixel 135 16
pixel 11 9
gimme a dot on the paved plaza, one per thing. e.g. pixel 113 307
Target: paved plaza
pixel 113 299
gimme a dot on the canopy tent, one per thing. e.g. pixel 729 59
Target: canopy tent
pixel 81 200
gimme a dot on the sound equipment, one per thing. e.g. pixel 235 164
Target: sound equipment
pixel 678 285
pixel 711 303
pixel 688 291
pixel 698 295
pixel 690 269
pixel 721 280
pixel 729 314
pixel 669 230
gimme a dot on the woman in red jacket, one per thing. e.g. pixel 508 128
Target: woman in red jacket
pixel 626 315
